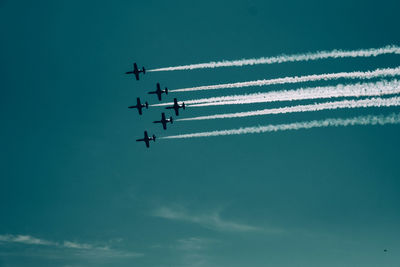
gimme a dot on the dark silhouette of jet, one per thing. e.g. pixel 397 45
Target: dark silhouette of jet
pixel 140 106
pixel 176 107
pixel 164 121
pixel 159 91
pixel 146 139
pixel 136 71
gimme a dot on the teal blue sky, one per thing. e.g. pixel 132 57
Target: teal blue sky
pixel 77 190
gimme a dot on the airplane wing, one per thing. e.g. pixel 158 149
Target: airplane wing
pixel 147 142
pixel 158 86
pixel 139 108
pixel 159 95
pixel 177 111
pixel 136 71
pixel 164 125
pixel 146 136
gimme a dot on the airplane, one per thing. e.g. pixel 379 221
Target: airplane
pixel 136 71
pixel 164 121
pixel 146 139
pixel 140 106
pixel 176 107
pixel 159 91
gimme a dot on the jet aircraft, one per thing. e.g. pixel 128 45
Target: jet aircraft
pixel 176 107
pixel 140 106
pixel 146 139
pixel 164 121
pixel 159 91
pixel 136 71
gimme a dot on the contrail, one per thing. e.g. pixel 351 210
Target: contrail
pixel 353 90
pixel 318 93
pixel 372 102
pixel 362 120
pixel 373 52
pixel 388 72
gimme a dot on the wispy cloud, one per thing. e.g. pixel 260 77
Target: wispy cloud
pixel 74 248
pixel 194 251
pixel 210 220
pixel 26 239
pixel 194 243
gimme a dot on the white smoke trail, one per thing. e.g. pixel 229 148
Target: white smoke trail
pixel 388 72
pixel 372 102
pixel 373 52
pixel 362 120
pixel 353 90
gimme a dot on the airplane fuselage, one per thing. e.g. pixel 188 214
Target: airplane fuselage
pixel 146 139
pixel 136 71
pixel 158 92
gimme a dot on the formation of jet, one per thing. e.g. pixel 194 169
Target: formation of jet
pixel 164 121
pixel 140 106
pixel 176 106
pixel 136 71
pixel 159 91
pixel 147 139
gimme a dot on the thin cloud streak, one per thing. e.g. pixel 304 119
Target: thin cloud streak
pixel 362 120
pixel 373 52
pixel 78 248
pixel 194 251
pixel 378 73
pixel 194 243
pixel 211 220
pixel 26 239
pixel 364 103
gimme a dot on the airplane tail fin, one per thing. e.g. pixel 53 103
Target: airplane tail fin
pixel 144 70
pixel 147 105
pixel 166 90
pixel 171 120
pixel 154 138
pixel 183 105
